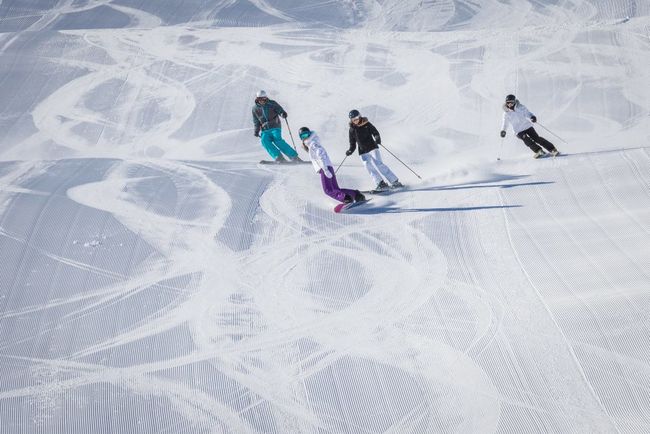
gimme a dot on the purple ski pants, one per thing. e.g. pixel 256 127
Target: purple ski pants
pixel 331 186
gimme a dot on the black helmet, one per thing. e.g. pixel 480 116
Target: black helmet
pixel 304 132
pixel 354 113
pixel 510 97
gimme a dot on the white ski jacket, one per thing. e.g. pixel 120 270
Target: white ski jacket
pixel 518 118
pixel 318 154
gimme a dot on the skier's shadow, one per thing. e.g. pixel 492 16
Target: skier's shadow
pixel 503 181
pixel 395 209
pixel 492 183
pixel 469 186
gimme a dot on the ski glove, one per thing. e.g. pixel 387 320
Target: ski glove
pixel 533 118
pixel 256 133
pixel 284 115
pixel 349 152
pixel 503 133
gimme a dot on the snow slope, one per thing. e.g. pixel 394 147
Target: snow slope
pixel 153 278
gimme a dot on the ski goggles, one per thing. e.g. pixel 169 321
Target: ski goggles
pixel 305 135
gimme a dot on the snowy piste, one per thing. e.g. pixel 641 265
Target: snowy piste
pixel 154 277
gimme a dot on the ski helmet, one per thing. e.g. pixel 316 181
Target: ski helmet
pixel 354 113
pixel 510 98
pixel 261 94
pixel 304 133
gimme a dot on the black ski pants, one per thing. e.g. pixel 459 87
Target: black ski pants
pixel 533 140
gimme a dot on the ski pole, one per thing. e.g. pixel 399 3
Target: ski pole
pixel 552 133
pixel 388 150
pixel 337 169
pixel 500 149
pixel 291 135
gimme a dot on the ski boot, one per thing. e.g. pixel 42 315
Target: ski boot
pixel 280 160
pixel 382 186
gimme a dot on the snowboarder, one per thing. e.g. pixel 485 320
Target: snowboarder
pixel 363 133
pixel 266 118
pixel 322 164
pixel 521 119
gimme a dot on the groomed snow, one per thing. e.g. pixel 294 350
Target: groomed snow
pixel 154 278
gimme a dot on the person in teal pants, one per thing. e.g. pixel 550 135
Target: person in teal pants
pixel 266 118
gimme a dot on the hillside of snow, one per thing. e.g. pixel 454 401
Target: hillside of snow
pixel 154 278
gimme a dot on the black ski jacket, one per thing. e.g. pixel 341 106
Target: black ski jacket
pixel 266 116
pixel 365 135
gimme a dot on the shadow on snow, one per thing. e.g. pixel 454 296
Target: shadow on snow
pixel 395 209
pixel 481 185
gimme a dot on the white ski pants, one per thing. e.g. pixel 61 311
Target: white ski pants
pixel 376 167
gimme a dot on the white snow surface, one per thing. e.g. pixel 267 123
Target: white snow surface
pixel 155 279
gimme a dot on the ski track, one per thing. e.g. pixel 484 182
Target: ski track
pixel 623 302
pixel 155 279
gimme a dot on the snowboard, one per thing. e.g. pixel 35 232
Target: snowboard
pixel 343 207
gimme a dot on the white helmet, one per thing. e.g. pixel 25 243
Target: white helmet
pixel 261 94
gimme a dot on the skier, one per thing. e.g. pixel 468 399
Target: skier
pixel 517 115
pixel 266 118
pixel 363 133
pixel 322 164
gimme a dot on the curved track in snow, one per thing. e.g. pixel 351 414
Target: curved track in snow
pixel 153 278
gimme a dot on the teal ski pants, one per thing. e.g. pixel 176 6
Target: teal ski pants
pixel 274 144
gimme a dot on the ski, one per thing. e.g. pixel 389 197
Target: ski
pixel 384 190
pixel 549 155
pixel 343 207
pixel 284 163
